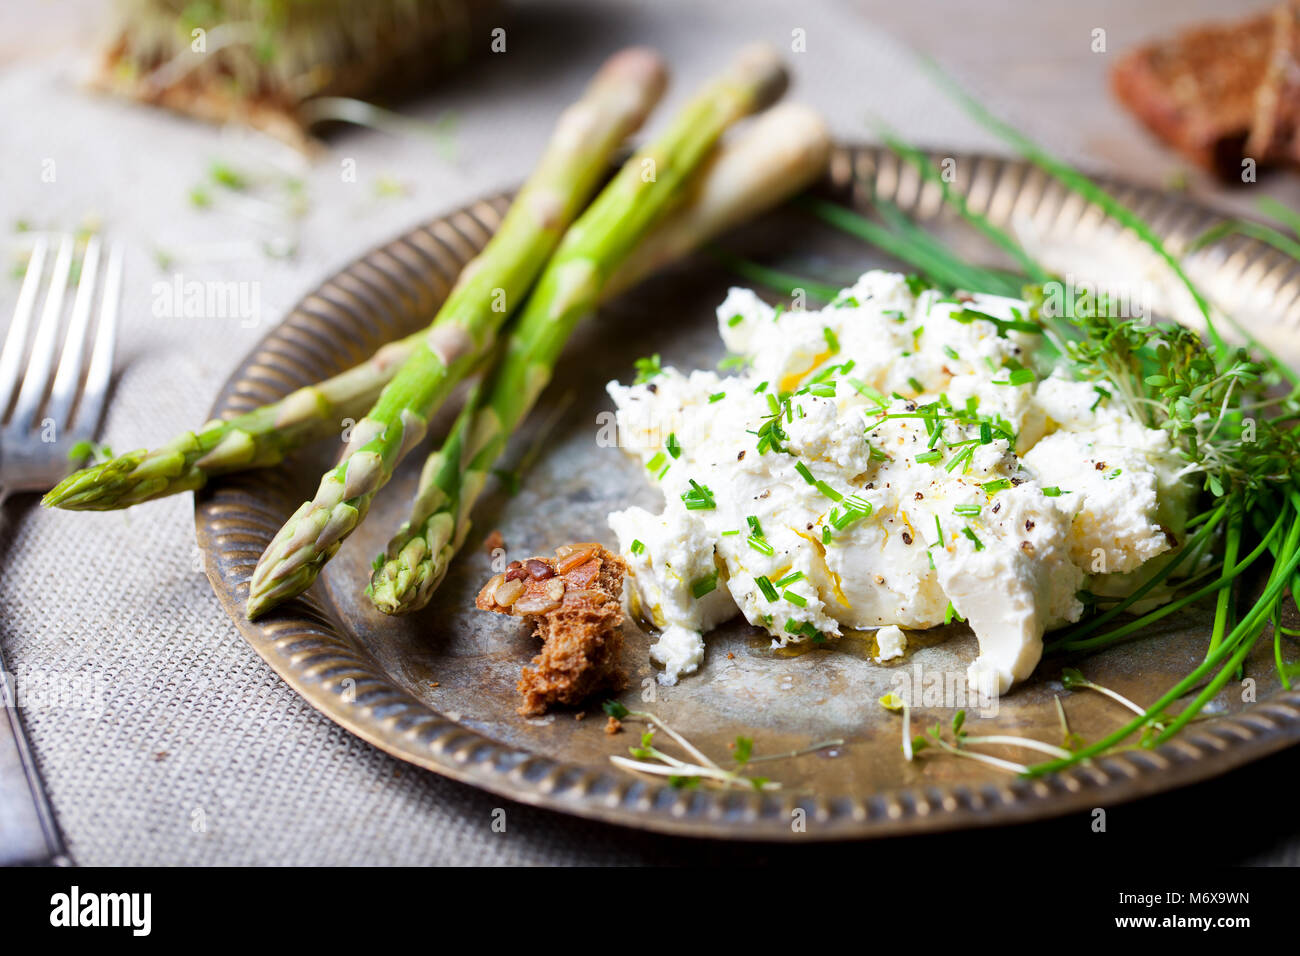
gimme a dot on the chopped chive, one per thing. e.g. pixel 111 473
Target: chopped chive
pixel 1052 492
pixel 766 586
pixel 993 487
pixel 717 397
pixel 728 534
pixel 228 177
pixel 673 445
pixel 699 498
pixel 790 578
pixel 826 534
pixel 951 352
pixel 805 473
pixel 1016 375
pixel 761 546
pixel 832 342
pixel 855 509
pixel 979 545
pixel 806 628
pixel 926 457
pixel 915 385
pixel 760 387
pixel 966 510
pixel 637 546
pixel 862 388
pixel 796 599
pixel 967 316
pixel 755 528
pixel 704 585
pixel 828 491
pixel 647 368
pixel 961 458
pixel 735 320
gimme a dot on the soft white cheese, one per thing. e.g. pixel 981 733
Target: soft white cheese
pixel 887 461
pixel 891 642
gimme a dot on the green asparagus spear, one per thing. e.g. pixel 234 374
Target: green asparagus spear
pixel 779 155
pixel 615 104
pixel 256 439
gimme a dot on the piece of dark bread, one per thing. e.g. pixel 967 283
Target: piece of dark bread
pixel 1197 91
pixel 573 602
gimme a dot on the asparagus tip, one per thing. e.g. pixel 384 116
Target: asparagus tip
pixel 641 64
pixel 759 68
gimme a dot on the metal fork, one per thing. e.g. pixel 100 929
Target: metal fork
pixel 34 438
pixel 34 441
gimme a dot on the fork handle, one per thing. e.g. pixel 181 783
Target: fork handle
pixel 29 834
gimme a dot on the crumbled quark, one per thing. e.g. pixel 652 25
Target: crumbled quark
pixel 890 461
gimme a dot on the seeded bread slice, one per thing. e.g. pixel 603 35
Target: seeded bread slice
pixel 573 602
pixel 1197 91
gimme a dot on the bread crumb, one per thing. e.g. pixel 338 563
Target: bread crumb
pixel 494 542
pixel 578 614
pixel 613 726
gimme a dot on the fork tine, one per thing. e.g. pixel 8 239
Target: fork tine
pixel 68 376
pixel 101 357
pixel 37 378
pixel 16 342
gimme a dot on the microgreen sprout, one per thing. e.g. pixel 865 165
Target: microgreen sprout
pixel 1073 679
pixel 698 769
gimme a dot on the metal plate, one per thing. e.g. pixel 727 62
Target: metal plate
pixel 437 689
